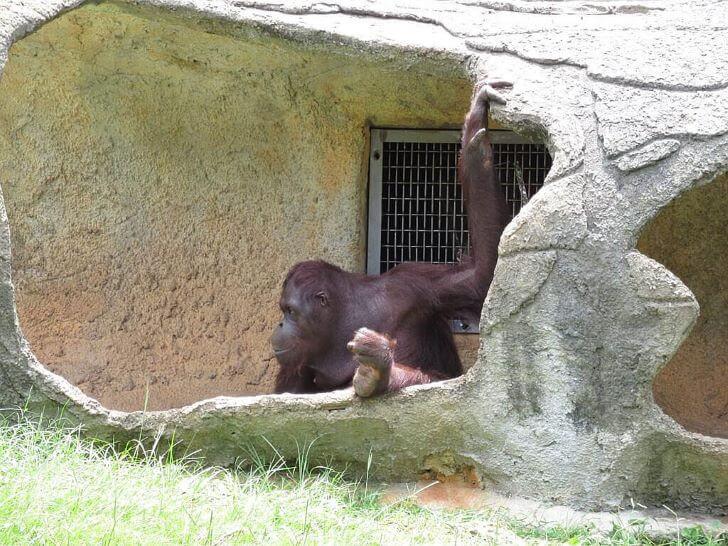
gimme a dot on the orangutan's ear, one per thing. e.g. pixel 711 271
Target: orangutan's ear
pixel 323 298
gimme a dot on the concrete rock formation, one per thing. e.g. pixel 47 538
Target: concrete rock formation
pixel 631 100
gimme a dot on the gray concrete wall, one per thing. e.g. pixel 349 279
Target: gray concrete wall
pixel 631 98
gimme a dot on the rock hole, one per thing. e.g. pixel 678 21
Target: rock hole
pixel 161 176
pixel 688 237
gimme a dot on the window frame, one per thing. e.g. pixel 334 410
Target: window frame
pixel 378 136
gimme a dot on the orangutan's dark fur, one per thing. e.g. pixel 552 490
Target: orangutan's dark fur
pixel 325 307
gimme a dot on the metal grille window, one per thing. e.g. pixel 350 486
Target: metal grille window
pixel 416 210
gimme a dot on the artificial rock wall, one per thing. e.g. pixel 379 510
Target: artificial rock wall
pixel 578 322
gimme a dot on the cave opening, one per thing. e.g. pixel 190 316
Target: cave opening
pixel 161 174
pixel 688 237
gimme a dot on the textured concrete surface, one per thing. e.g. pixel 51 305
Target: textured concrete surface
pixel 630 97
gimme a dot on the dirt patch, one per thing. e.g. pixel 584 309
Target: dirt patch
pixel 460 494
pixel 689 237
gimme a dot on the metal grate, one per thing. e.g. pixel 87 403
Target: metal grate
pixel 416 210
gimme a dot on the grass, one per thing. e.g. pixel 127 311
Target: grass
pixel 58 488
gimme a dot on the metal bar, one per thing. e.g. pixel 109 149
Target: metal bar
pixel 497 136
